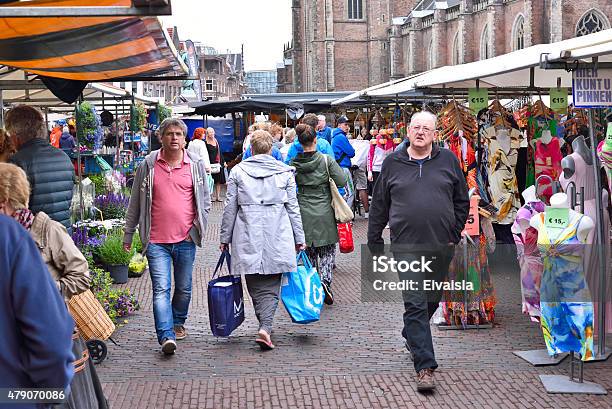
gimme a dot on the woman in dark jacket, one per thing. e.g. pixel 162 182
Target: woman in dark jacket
pixel 314 197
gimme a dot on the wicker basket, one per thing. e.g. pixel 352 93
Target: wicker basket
pixel 91 319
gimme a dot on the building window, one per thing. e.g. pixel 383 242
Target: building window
pixel 456 50
pixel 591 22
pixel 355 9
pixel 518 33
pixel 208 85
pixel 484 44
pixel 430 56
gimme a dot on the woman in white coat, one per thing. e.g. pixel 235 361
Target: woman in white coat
pixel 262 223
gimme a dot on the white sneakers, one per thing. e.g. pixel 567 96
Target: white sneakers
pixel 168 346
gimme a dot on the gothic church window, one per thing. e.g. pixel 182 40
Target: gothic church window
pixel 591 22
pixel 484 44
pixel 355 9
pixel 430 55
pixel 518 33
pixel 456 50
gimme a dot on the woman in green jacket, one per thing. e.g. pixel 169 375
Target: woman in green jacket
pixel 314 197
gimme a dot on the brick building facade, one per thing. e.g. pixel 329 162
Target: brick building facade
pixel 343 45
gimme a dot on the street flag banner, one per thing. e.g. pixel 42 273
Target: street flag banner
pixel 592 87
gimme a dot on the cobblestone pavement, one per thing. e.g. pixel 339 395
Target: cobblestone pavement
pixel 352 358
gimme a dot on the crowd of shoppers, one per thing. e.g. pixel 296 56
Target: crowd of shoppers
pixel 277 202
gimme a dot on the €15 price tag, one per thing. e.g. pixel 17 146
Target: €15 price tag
pixel 478 98
pixel 556 217
pixel 558 99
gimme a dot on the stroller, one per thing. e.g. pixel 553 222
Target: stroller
pixel 93 323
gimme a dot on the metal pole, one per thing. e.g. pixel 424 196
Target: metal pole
pixel 599 242
pixel 78 144
pixel 47 121
pixel 1 108
pixel 116 164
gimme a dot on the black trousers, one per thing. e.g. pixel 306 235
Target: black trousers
pixel 421 302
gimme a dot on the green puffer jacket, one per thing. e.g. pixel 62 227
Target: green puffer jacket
pixel 314 197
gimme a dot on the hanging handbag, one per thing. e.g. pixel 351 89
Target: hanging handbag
pixel 302 292
pixel 342 211
pixel 345 238
pixel 215 168
pixel 225 300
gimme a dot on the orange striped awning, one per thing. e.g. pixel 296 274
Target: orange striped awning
pixel 87 48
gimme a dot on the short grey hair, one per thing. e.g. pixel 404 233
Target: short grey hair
pixel 168 122
pixel 425 114
pixel 25 122
pixel 322 118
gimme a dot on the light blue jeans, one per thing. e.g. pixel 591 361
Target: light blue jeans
pixel 162 259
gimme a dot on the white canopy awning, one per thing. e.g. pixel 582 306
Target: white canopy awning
pixel 368 91
pixel 512 70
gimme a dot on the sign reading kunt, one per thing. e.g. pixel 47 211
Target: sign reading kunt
pixel 592 87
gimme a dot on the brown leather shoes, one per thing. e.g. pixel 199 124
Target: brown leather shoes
pixel 180 332
pixel 425 380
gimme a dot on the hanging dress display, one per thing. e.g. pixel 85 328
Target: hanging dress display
pixel 480 302
pixel 584 177
pixel 547 162
pixel 567 318
pixel 502 157
pixel 529 259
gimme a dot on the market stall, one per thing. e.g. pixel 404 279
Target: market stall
pixel 520 157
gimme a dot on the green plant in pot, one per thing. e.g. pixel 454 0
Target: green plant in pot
pixel 115 258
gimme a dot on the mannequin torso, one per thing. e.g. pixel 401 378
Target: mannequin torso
pixel 559 200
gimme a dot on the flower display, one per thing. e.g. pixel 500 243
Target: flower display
pixel 112 205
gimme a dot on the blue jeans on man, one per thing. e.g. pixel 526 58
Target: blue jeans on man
pixel 163 258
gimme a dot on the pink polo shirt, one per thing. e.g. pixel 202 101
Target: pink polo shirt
pixel 173 208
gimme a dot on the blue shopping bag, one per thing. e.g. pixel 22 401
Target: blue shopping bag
pixel 302 292
pixel 225 300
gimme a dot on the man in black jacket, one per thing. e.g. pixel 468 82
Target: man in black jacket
pixel 422 194
pixel 49 170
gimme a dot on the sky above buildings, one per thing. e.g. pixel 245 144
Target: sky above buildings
pixel 263 26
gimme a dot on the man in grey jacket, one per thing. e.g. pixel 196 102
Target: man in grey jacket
pixel 170 202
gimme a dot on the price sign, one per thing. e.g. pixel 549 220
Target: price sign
pixel 558 99
pixel 556 217
pixel 609 133
pixel 472 225
pixel 478 99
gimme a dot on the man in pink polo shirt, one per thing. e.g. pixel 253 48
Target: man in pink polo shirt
pixel 170 202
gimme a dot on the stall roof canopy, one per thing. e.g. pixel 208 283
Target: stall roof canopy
pixel 221 108
pixel 17 88
pixel 512 70
pixel 87 48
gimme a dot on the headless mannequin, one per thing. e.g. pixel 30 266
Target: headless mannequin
pixel 503 138
pixel 580 147
pixel 559 200
pixel 529 195
pixel 546 137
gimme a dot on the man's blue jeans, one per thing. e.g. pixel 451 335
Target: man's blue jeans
pixel 162 257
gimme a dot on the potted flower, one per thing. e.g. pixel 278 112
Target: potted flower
pixel 115 258
pixel 112 205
